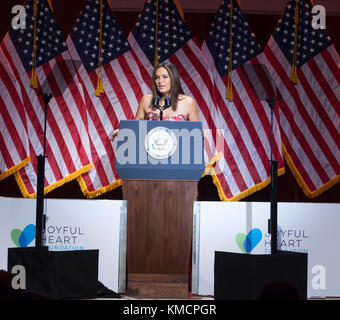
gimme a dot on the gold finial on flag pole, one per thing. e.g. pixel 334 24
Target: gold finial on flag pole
pixel 293 75
pixel 34 80
pixel 229 95
pixel 100 89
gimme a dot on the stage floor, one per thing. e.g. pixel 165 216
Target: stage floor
pixel 196 298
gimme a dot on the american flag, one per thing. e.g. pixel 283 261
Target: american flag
pixel 161 26
pixel 67 143
pixel 310 109
pixel 14 148
pixel 244 144
pixel 122 88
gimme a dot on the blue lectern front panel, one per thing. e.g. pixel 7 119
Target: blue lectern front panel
pixel 166 150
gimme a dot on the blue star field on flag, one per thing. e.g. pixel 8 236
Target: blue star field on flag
pixel 244 44
pixel 85 36
pixel 310 41
pixel 172 32
pixel 50 41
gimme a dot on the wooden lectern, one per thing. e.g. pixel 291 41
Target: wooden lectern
pixel 160 163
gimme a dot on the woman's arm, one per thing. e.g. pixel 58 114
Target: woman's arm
pixel 113 134
pixel 193 113
pixel 143 106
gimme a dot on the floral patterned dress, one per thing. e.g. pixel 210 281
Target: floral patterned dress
pixel 156 116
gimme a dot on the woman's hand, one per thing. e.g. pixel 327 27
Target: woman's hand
pixel 113 134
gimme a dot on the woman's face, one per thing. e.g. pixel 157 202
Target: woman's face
pixel 163 81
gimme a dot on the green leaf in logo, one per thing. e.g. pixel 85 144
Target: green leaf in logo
pixel 240 237
pixel 15 235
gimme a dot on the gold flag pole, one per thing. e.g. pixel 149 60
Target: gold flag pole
pixel 229 95
pixel 293 75
pixel 100 89
pixel 156 35
pixel 34 80
pixel 179 9
pixel 50 4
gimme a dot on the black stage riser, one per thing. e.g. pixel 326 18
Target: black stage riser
pixel 252 277
pixel 57 274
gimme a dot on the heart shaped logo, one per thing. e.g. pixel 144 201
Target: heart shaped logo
pixel 247 242
pixel 23 238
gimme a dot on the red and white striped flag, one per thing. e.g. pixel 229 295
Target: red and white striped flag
pixel 14 146
pixel 112 84
pixel 161 28
pixel 39 58
pixel 245 121
pixel 305 67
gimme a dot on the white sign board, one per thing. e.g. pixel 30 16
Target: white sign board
pixel 70 225
pixel 311 228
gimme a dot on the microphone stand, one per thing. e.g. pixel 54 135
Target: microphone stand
pixel 272 223
pixel 40 217
pixel 161 111
pixel 167 104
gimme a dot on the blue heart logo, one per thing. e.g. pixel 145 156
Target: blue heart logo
pixel 248 242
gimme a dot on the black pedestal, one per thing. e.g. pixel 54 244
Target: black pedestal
pixel 57 274
pixel 250 277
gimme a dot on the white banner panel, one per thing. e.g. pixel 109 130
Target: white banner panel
pixel 302 227
pixel 70 225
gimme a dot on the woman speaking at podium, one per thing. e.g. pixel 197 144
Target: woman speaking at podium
pixel 167 101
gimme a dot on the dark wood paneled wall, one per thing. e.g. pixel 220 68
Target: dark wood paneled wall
pixel 66 13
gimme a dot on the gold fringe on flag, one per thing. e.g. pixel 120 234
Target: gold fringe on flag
pixel 156 35
pixel 301 182
pixel 229 95
pixel 93 194
pixel 15 168
pixel 34 80
pixel 293 75
pixel 100 88
pixel 53 186
pixel 209 170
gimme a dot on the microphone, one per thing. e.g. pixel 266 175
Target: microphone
pixel 155 101
pixel 167 104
